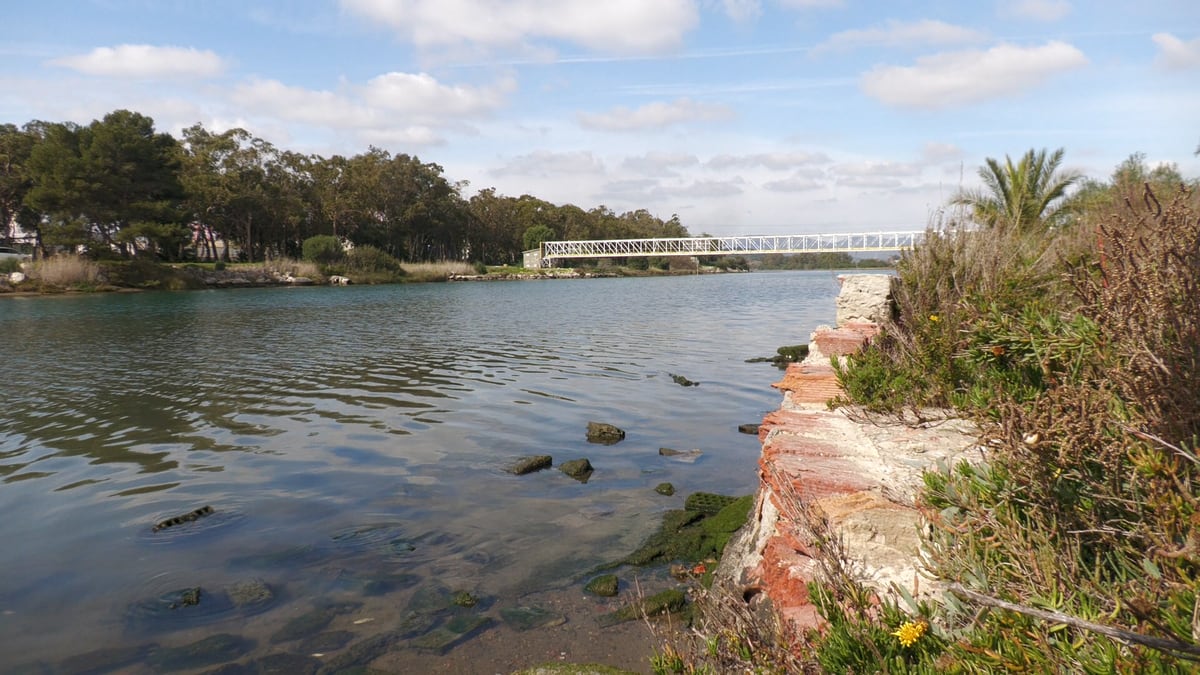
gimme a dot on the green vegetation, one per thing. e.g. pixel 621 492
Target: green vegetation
pixel 118 188
pixel 814 261
pixel 1067 329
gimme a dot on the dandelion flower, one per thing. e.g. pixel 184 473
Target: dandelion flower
pixel 934 318
pixel 909 632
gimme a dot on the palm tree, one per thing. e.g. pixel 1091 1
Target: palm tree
pixel 1028 196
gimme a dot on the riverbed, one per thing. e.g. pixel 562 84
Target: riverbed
pixel 351 443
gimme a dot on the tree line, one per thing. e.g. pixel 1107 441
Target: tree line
pixel 119 187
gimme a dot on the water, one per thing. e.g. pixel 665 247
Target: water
pixel 351 442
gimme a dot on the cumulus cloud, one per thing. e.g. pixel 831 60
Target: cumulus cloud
pixel 421 94
pixel 958 78
pixel 1175 54
pixel 544 164
pixel 659 163
pixel 1038 10
pixel 617 26
pixel 145 61
pixel 654 115
pixel 770 160
pixel 902 34
pixel 702 189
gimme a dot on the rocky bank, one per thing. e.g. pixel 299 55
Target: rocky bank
pixel 862 477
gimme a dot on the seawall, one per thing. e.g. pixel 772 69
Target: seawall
pixel 859 477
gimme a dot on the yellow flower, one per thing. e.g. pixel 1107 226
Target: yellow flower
pixel 934 318
pixel 909 632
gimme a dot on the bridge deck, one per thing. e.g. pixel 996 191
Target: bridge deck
pixel 697 246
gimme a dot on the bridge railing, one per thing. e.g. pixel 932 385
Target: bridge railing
pixel 697 246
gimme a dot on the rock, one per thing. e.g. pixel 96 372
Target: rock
pixel 337 280
pixel 665 489
pixel 361 653
pixel 16 277
pixel 300 281
pixel 188 597
pixel 707 502
pixel 683 381
pixel 287 664
pixel 388 583
pixel 210 651
pixel 696 533
pixel 605 586
pixel 526 618
pixel 606 434
pixel 751 429
pixel 530 464
pixel 681 455
pixel 666 602
pixel 328 641
pixel 864 298
pixel 311 622
pixel 456 630
pixel 579 469
pixel 251 595
pixel 104 660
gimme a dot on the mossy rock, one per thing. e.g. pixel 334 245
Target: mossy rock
pixel 530 464
pixel 707 502
pixel 669 601
pixel 606 434
pixel 210 651
pixel 361 653
pixel 605 586
pixel 325 642
pixel 464 599
pixel 731 516
pixel 579 469
pixel 527 618
pixel 665 489
pixel 287 664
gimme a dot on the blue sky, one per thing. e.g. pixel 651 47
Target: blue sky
pixel 741 116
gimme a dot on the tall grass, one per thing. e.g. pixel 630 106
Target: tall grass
pixel 293 267
pixel 66 271
pixel 436 271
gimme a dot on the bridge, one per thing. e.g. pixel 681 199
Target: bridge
pixel 551 252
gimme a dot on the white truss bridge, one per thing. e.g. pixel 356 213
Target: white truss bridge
pixel 553 251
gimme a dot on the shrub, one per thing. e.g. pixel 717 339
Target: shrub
pixel 322 249
pixel 371 259
pixel 9 265
pixel 480 267
pixel 219 266
pixel 66 271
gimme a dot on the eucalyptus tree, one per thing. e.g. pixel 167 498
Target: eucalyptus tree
pixel 1028 196
pixel 15 148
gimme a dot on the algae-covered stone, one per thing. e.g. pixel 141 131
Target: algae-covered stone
pixel 328 641
pixel 360 653
pixel 250 595
pixel 707 502
pixel 683 381
pixel 530 464
pixel 464 599
pixel 210 651
pixel 454 631
pixel 688 456
pixel 669 601
pixel 665 489
pixel 606 434
pixel 104 660
pixel 312 622
pixel 526 618
pixel 579 469
pixel 751 429
pixel 287 664
pixel 605 585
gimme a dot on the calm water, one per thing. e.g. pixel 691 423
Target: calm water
pixel 352 441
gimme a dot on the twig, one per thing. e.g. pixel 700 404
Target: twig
pixel 1183 649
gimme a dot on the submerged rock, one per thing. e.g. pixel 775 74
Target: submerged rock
pixel 605 585
pixel 751 429
pixel 669 601
pixel 210 651
pixel 325 642
pixel 665 489
pixel 707 502
pixel 312 622
pixel 530 464
pixel 360 653
pixel 104 660
pixel 699 531
pixel 464 599
pixel 579 469
pixel 526 618
pixel 681 455
pixel 606 434
pixel 251 595
pixel 185 518
pixel 286 664
pixel 456 630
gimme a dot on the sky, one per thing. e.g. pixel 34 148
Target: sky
pixel 740 116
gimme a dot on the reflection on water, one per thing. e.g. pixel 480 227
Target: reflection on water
pixel 351 442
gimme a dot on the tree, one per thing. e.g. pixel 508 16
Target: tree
pixel 15 147
pixel 1028 196
pixel 535 235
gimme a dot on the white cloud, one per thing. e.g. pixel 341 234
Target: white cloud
pixel 619 26
pixel 769 160
pixel 145 61
pixel 654 115
pixel 1175 54
pixel 298 104
pixel 422 95
pixel 794 184
pixel 935 152
pixel 876 169
pixel 810 4
pixel 659 163
pixel 544 163
pixel 1038 10
pixel 903 34
pixel 958 78
pixel 702 189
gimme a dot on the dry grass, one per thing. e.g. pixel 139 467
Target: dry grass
pixel 436 271
pixel 66 271
pixel 296 268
